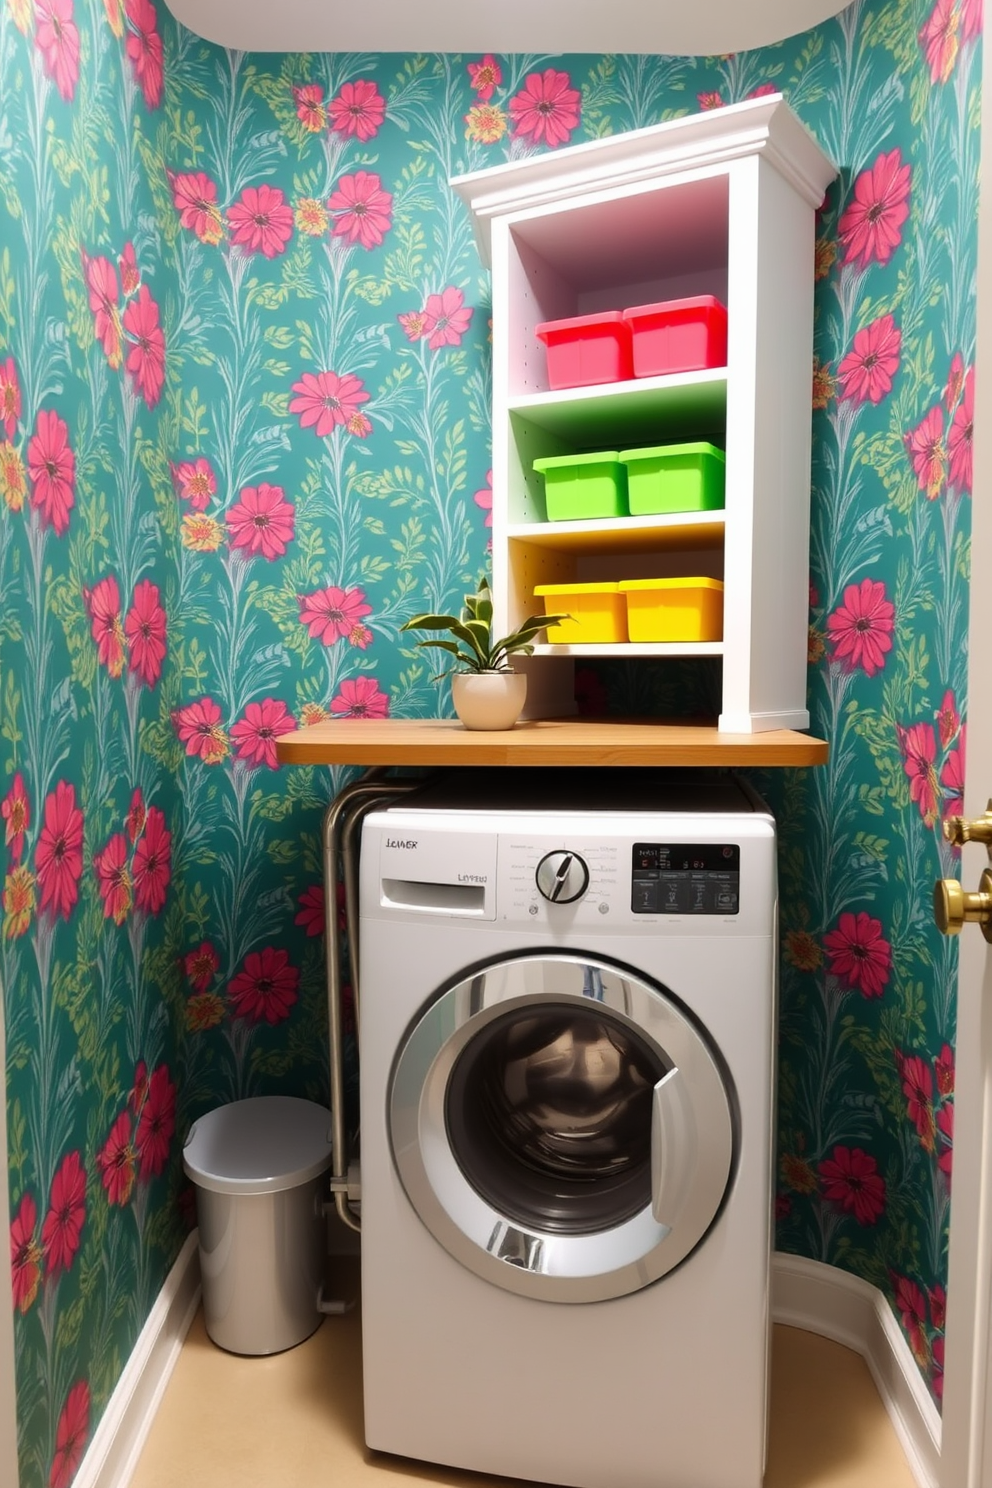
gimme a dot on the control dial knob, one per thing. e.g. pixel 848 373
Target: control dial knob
pixel 562 876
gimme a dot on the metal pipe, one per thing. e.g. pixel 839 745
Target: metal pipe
pixel 369 788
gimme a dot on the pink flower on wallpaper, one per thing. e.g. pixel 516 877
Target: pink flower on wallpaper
pixel 103 605
pixel 57 39
pixel 360 637
pixel 146 354
pixel 971 20
pixel 70 1436
pixel 195 482
pixel 261 522
pixel 101 282
pixel 938 38
pixel 860 629
pixel 945 1125
pixel 265 988
pixel 851 1179
pixel 952 776
pixel 201 966
pixel 10 397
pixel 194 196
pixel 446 319
pixel 944 1069
pixel 917 1087
pixel 708 101
pixel 913 1310
pixel 153 863
pixel 52 470
pixel 925 447
pixel 955 381
pixel 198 727
pixel 311 912
pixel 15 812
pixel 866 373
pixel 116 1161
pixel 414 323
pixel 960 438
pixel 937 1378
pixel 144 51
pixel 330 614
pixel 58 856
pixel 919 750
pixel 858 953
pixel 948 719
pixel 324 399
pixel 254 736
pixel 310 111
pixel 261 221
pixel 484 498
pixel 113 878
pixel 937 1298
pixel 127 264
pixel 358 110
pixel 360 697
pixel 61 1233
pixel 364 211
pixel 547 108
pixel 870 227
pixel 156 1124
pixel 485 76
pixel 145 632
pixel 358 425
pixel 136 815
pixel 763 90
pixel 25 1255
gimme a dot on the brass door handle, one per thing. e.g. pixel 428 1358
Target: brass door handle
pixel 952 907
pixel 959 831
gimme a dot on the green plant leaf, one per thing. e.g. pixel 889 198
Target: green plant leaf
pixel 431 622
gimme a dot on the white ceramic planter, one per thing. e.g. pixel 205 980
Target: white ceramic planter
pixel 488 700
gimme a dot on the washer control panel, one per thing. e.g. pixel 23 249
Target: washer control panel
pixel 562 876
pixel 685 878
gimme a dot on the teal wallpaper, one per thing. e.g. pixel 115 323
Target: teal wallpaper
pixel 244 384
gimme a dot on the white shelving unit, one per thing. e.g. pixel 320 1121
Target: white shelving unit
pixel 719 203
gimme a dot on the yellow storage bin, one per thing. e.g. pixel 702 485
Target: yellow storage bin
pixel 674 609
pixel 598 613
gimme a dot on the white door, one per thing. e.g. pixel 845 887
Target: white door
pixel 966 1445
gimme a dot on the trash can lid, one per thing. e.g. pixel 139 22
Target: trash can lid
pixel 258 1146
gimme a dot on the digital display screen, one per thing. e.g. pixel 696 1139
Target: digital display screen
pixel 685 878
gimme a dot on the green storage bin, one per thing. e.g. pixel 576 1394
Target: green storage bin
pixel 577 487
pixel 674 478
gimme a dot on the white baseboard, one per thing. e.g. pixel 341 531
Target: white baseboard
pixel 823 1299
pixel 112 1455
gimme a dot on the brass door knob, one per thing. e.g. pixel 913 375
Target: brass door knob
pixel 959 831
pixel 952 907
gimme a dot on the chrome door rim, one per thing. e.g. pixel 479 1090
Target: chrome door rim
pixel 529 1261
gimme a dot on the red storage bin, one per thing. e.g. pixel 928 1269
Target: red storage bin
pixel 587 349
pixel 678 336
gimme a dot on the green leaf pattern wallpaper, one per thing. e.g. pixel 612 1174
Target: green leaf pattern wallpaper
pixel 244 435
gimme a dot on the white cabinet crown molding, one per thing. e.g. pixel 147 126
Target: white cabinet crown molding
pixel 760 126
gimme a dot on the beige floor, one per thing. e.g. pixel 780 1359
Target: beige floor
pixel 296 1420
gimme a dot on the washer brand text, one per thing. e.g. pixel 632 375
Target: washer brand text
pixel 402 842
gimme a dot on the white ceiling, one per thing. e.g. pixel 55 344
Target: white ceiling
pixel 699 27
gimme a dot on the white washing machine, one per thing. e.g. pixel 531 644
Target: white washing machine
pixel 568 1003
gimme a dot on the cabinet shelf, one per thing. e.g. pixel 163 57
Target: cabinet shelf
pixel 720 204
pixel 625 414
pixel 672 532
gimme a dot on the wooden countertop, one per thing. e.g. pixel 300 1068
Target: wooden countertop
pixel 551 742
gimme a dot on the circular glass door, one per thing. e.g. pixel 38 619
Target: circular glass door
pixel 561 1127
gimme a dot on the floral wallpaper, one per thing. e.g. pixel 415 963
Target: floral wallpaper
pixel 244 434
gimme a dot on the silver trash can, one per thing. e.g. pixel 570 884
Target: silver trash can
pixel 258 1166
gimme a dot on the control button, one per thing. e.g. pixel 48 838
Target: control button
pixel 562 877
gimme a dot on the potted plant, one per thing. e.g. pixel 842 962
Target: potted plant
pixel 486 691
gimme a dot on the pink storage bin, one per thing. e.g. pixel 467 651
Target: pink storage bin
pixel 587 349
pixel 678 336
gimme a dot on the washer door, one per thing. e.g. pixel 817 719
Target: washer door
pixel 561 1127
